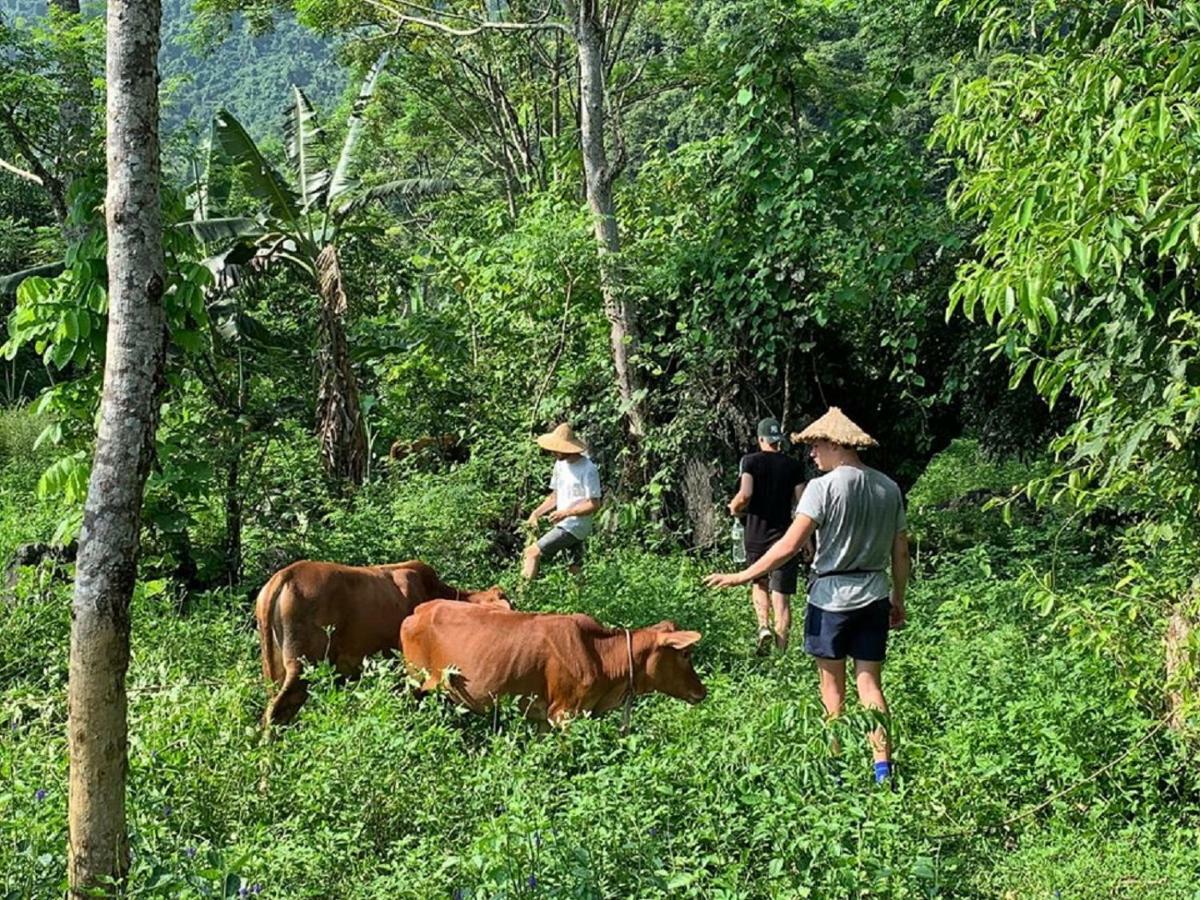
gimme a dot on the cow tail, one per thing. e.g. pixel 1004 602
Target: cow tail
pixel 264 607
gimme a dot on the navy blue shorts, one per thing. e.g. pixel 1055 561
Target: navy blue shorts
pixel 860 633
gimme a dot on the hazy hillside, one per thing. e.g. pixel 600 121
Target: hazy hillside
pixel 247 74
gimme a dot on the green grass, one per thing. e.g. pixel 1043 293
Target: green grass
pixel 372 794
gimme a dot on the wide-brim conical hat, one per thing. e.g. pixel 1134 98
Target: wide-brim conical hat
pixel 562 440
pixel 835 426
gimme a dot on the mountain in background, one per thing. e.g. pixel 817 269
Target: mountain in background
pixel 249 75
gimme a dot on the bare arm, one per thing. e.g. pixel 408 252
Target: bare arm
pixel 781 551
pixel 582 508
pixel 544 507
pixel 900 569
pixel 809 551
pixel 737 506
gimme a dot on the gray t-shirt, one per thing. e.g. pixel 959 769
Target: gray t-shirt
pixel 858 512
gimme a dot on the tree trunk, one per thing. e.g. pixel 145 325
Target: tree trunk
pixel 340 423
pixel 233 518
pixel 75 125
pixel 108 542
pixel 1181 684
pixel 620 310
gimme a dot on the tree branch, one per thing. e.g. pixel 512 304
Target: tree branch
pixel 478 27
pixel 20 173
pixel 53 187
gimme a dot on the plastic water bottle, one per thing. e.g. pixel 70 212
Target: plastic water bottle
pixel 737 536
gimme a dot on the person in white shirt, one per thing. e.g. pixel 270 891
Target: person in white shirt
pixel 574 498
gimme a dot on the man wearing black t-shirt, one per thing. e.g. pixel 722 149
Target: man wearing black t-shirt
pixel 769 486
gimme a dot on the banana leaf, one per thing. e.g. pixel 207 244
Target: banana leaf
pixel 304 140
pixel 409 190
pixel 208 192
pixel 10 283
pixel 211 231
pixel 343 181
pixel 261 178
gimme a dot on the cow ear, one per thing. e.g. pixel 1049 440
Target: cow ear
pixel 664 625
pixel 680 640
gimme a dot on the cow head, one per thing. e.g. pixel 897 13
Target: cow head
pixel 493 596
pixel 669 666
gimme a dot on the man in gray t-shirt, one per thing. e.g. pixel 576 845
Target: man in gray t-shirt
pixel 858 511
pixel 857 514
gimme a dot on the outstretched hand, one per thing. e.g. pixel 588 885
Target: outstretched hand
pixel 724 580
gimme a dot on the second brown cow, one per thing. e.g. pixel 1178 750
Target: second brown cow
pixel 563 665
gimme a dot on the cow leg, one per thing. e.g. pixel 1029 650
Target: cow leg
pixel 429 685
pixel 284 705
pixel 348 668
pixel 539 713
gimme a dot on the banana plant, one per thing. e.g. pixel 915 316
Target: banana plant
pixel 300 223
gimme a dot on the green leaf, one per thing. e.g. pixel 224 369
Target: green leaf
pixel 40 285
pixel 189 341
pixel 1025 212
pixel 744 96
pixel 60 354
pixel 408 189
pixel 1081 255
pixel 211 184
pixel 261 178
pixel 303 142
pixel 211 231
pixel 342 180
pixel 1174 233
pixel 97 298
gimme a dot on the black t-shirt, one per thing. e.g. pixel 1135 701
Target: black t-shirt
pixel 774 494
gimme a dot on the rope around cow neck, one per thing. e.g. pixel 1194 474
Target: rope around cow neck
pixel 629 692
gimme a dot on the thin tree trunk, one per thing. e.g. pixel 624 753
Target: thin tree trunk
pixel 75 123
pixel 233 518
pixel 108 542
pixel 555 96
pixel 619 309
pixel 342 432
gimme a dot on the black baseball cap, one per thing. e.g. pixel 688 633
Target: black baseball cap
pixel 769 429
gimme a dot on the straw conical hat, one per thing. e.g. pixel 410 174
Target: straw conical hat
pixel 835 426
pixel 562 440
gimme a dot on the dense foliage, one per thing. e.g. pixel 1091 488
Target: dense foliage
pixel 1027 768
pixel 972 225
pixel 1087 188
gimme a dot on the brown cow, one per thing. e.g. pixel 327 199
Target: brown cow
pixel 311 611
pixel 564 665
